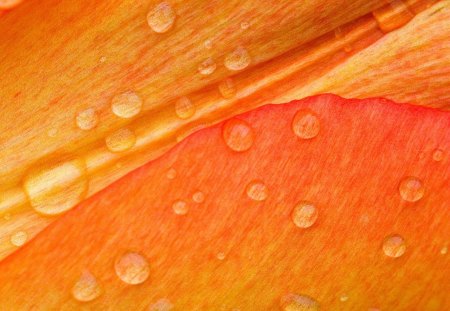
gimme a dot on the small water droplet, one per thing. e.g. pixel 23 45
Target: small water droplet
pixel 343 298
pixel 227 88
pixel 7 216
pixel 171 173
pixel 438 155
pixel 238 59
pixel 198 197
pixel 132 268
pixel 411 189
pixel 102 59
pixel 221 256
pixel 126 105
pixel 87 119
pixel 86 288
pixel 208 44
pixel 207 67
pixel 394 246
pixel 238 135
pixel 161 305
pixel 120 140
pixel 245 25
pixel 184 108
pixel 180 207
pixel 52 132
pixel 161 18
pixel 257 190
pixel 294 302
pixel 306 124
pixel 19 238
pixel 304 214
pixel 444 250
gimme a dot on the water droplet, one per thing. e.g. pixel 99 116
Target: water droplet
pixel 207 67
pixel 87 119
pixel 120 140
pixel 221 256
pixel 52 132
pixel 180 207
pixel 374 309
pixel 444 250
pixel 55 189
pixel 257 190
pixel 86 288
pixel 394 246
pixel 161 305
pixel 304 214
pixel 198 197
pixel 19 238
pixel 126 105
pixel 208 44
pixel 227 88
pixel 184 108
pixel 7 216
pixel 343 298
pixel 102 59
pixel 438 155
pixel 161 18
pixel 245 25
pixel 171 173
pixel 238 135
pixel 294 302
pixel 411 189
pixel 238 59
pixel 8 4
pixel 132 268
pixel 306 124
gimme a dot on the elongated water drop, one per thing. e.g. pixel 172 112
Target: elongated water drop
pixel 86 288
pixel 126 105
pixel 238 59
pixel 394 246
pixel 87 119
pixel 161 18
pixel 121 140
pixel 184 108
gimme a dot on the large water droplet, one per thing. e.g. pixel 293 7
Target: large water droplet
pixel 306 124
pixel 304 214
pixel 120 140
pixel 86 288
pixel 180 207
pixel 198 197
pixel 257 190
pixel 87 119
pixel 55 189
pixel 161 305
pixel 411 189
pixel 207 67
pixel 8 4
pixel 161 18
pixel 126 105
pixel 238 59
pixel 132 268
pixel 184 108
pixel 238 135
pixel 438 155
pixel 19 238
pixel 394 246
pixel 294 302
pixel 227 88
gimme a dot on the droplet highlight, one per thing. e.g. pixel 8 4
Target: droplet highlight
pixel 227 88
pixel 238 135
pixel 238 59
pixel 19 238
pixel 132 268
pixel 304 214
pixel 207 67
pixel 180 207
pixel 306 124
pixel 126 105
pixel 184 108
pixel 198 197
pixel 86 288
pixel 394 246
pixel 257 190
pixel 294 302
pixel 87 119
pixel 161 18
pixel 121 140
pixel 411 189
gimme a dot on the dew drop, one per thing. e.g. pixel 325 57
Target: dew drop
pixel 304 214
pixel 180 207
pixel 294 302
pixel 102 59
pixel 245 25
pixel 208 44
pixel 438 155
pixel 411 189
pixel 257 190
pixel 171 173
pixel 126 105
pixel 444 250
pixel 343 298
pixel 238 135
pixel 184 108
pixel 120 140
pixel 221 256
pixel 19 238
pixel 132 268
pixel 238 59
pixel 306 124
pixel 161 18
pixel 87 119
pixel 198 197
pixel 161 305
pixel 52 133
pixel 86 288
pixel 8 4
pixel 227 88
pixel 207 67
pixel 394 246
